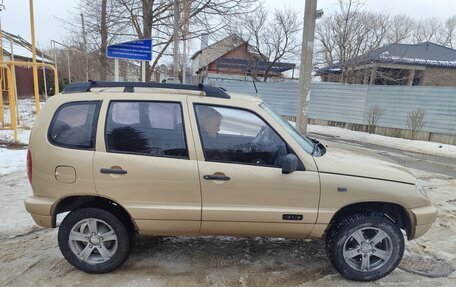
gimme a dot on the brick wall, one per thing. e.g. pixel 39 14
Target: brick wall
pixel 439 77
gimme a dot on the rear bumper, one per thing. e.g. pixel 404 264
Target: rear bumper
pixel 423 218
pixel 40 208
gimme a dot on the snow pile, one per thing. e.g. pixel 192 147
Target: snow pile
pixel 14 159
pixel 399 143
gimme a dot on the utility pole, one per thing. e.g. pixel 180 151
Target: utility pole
pixel 305 74
pixel 176 41
pixel 84 37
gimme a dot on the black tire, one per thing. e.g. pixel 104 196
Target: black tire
pixel 343 234
pixel 122 242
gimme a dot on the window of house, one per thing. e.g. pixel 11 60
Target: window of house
pixel 147 128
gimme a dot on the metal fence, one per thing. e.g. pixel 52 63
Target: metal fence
pixel 349 103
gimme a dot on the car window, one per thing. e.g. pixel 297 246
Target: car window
pixel 306 143
pixel 238 136
pixel 74 125
pixel 147 128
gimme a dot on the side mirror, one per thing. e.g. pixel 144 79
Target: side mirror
pixel 289 164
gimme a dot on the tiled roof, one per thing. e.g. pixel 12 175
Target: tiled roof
pixel 423 54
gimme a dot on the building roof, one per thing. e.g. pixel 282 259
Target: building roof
pixel 218 49
pixel 423 54
pixel 22 49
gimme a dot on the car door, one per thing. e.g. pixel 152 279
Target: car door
pixel 244 191
pixel 145 161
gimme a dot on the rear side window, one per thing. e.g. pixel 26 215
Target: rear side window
pixel 74 125
pixel 146 128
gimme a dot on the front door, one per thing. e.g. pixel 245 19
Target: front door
pixel 244 191
pixel 146 163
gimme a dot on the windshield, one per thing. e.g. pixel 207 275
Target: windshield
pixel 307 144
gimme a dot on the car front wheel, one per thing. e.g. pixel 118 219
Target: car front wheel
pixel 94 240
pixel 365 246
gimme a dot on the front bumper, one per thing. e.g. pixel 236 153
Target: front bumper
pixel 423 218
pixel 41 210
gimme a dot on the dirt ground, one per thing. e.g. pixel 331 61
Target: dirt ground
pixel 29 255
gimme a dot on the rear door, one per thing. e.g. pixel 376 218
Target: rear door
pixel 145 161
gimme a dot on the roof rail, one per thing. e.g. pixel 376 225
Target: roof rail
pixel 85 87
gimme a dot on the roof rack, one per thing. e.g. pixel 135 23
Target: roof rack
pixel 85 87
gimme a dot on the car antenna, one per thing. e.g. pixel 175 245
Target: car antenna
pixel 256 90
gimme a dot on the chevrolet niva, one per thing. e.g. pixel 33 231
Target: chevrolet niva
pixel 166 159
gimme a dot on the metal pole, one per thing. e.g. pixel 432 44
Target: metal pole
pixel 12 101
pixel 13 72
pixel 116 70
pixel 55 53
pixel 176 41
pixel 34 68
pixel 2 115
pixel 84 36
pixel 305 74
pixel 69 65
pixel 143 71
pixel 184 60
pixel 44 73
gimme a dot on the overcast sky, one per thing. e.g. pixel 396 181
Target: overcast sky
pixel 15 19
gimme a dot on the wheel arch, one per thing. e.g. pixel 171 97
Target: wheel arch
pixel 394 211
pixel 71 203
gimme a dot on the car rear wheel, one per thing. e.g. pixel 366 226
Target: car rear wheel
pixel 365 246
pixel 94 240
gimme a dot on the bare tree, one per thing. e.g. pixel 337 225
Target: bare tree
pixel 447 33
pixel 401 29
pixel 349 33
pixel 110 21
pixel 427 30
pixel 103 27
pixel 154 18
pixel 274 38
pixel 415 122
pixel 372 116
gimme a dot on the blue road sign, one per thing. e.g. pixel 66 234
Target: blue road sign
pixel 140 50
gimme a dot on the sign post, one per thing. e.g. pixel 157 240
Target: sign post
pixel 139 50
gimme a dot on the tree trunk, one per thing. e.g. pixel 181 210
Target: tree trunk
pixel 104 41
pixel 147 29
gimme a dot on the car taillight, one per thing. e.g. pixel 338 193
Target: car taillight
pixel 29 165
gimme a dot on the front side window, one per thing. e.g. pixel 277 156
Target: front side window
pixel 238 136
pixel 74 125
pixel 306 144
pixel 147 128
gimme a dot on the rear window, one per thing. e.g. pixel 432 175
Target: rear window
pixel 74 125
pixel 146 128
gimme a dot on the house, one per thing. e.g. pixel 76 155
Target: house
pixel 18 49
pixel 233 58
pixel 423 64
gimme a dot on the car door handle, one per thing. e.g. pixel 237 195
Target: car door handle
pixel 113 171
pixel 216 177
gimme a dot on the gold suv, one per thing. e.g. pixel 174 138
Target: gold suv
pixel 166 159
